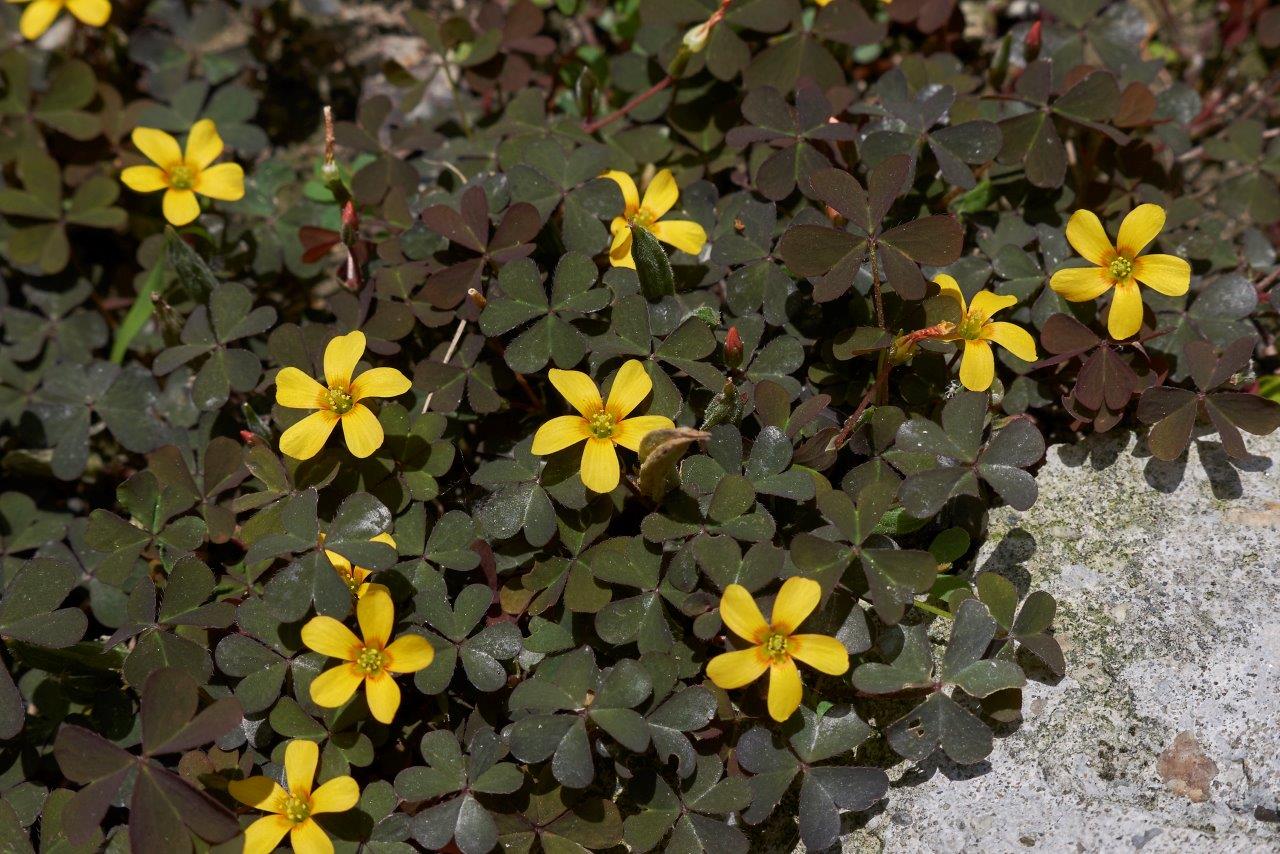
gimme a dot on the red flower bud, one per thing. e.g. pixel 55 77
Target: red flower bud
pixel 1031 44
pixel 249 437
pixel 733 348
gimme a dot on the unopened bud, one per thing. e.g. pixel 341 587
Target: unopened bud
pixel 1031 44
pixel 678 65
pixel 733 349
pixel 249 438
pixel 696 38
pixel 350 223
pixel 477 298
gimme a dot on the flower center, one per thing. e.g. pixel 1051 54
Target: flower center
pixel 297 809
pixel 1120 268
pixel 775 646
pixel 371 661
pixel 340 401
pixel 642 218
pixel 971 327
pixel 601 425
pixel 181 177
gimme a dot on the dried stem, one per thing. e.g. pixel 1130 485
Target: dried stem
pixel 448 354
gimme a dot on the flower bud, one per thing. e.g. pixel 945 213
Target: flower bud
pixel 733 349
pixel 350 223
pixel 1031 44
pixel 695 40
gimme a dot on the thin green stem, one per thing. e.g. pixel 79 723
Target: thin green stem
pixel 925 606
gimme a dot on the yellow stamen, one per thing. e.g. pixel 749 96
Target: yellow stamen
pixel 296 809
pixel 181 177
pixel 370 661
pixel 340 401
pixel 1120 268
pixel 601 425
pixel 775 646
pixel 971 327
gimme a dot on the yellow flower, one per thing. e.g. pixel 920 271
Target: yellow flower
pixel 602 425
pixel 775 646
pixel 354 576
pixel 292 810
pixel 183 174
pixel 40 15
pixel 339 402
pixel 372 660
pixel 659 197
pixel 1120 267
pixel 979 332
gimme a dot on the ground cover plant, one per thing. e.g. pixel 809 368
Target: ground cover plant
pixel 410 412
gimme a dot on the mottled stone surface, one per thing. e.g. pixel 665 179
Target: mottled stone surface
pixel 1165 733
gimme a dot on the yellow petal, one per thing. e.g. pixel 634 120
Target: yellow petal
pixel 977 366
pixel 304 440
pixel 1126 310
pixel 337 795
pixel 296 390
pixel 1139 228
pixel 985 303
pixel 340 563
pixel 156 144
pixel 180 206
pixel 628 433
pixel 362 431
pixel 265 834
pixel 660 196
pixel 731 670
pixel 559 433
pixel 376 614
pixel 741 615
pixel 383 696
pixel 341 355
pixel 819 652
pixel 948 286
pixel 307 837
pixel 409 654
pixel 92 12
pixel 577 388
pixel 300 760
pixel 796 601
pixel 334 687
pixel 630 387
pixel 224 181
pixel 1015 339
pixel 600 471
pixel 784 689
pixel 630 195
pixel 327 636
pixel 38 17
pixel 1086 235
pixel 259 792
pixel 1168 274
pixel 685 235
pixel 620 249
pixel 379 382
pixel 144 179
pixel 1077 284
pixel 203 144
pixel 383 538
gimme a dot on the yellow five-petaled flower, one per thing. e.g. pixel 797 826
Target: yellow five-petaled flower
pixel 979 332
pixel 775 646
pixel 601 425
pixel 39 16
pixel 351 575
pixel 372 660
pixel 659 197
pixel 293 810
pixel 183 174
pixel 340 401
pixel 1120 266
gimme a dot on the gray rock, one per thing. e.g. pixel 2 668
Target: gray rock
pixel 1165 733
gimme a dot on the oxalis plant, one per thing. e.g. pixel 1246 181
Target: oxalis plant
pixel 566 426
